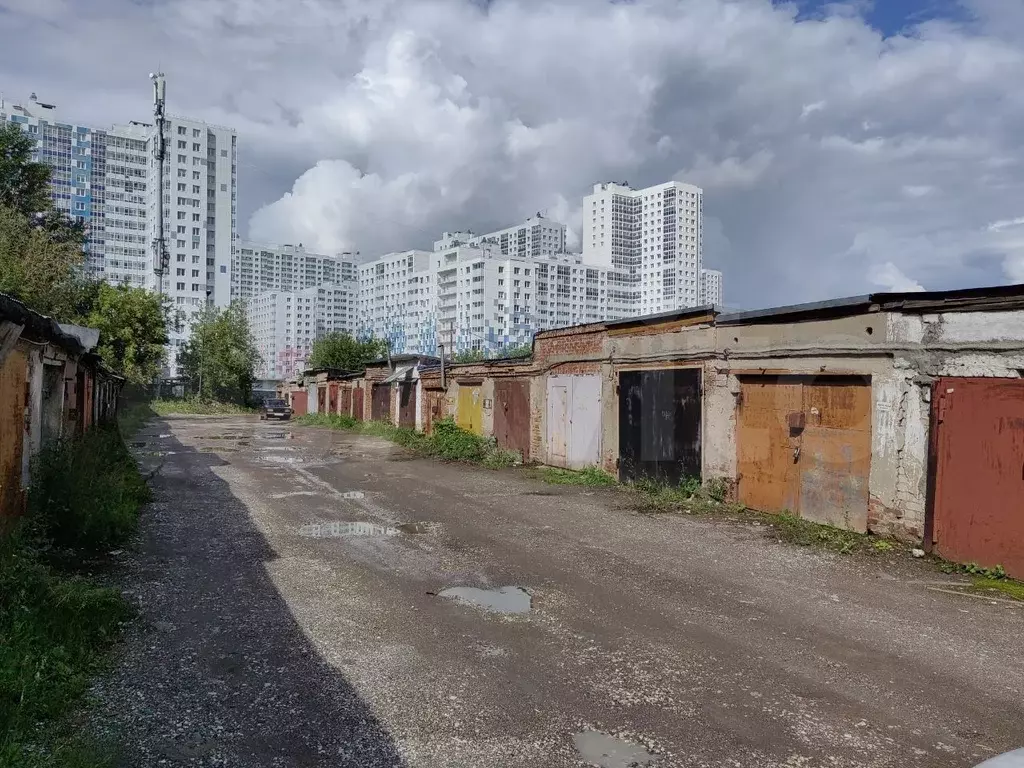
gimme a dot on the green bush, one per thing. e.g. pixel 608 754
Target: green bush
pixel 198 407
pixel 56 627
pixel 86 492
pixel 592 476
pixel 56 630
pixel 337 421
pixel 452 442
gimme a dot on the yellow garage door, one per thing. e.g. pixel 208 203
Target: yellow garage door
pixel 471 409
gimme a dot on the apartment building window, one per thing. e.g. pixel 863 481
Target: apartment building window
pixel 182 130
pixel 180 286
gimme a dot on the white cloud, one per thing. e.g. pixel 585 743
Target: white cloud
pixel 890 278
pixel 374 125
pixel 998 226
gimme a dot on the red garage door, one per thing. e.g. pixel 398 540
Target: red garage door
pixel 979 472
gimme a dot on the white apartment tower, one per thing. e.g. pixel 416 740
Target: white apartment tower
pixel 108 178
pixel 474 297
pixel 260 267
pixel 285 324
pixel 199 201
pixel 651 242
pixel 711 287
pixel 537 236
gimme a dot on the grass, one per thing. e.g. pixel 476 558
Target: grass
pixel 448 441
pixel 1004 587
pixel 588 476
pixel 57 625
pixel 131 417
pixel 193 407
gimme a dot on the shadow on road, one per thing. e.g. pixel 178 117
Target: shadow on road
pixel 219 672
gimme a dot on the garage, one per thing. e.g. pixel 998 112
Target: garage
pixel 512 415
pixel 804 446
pixel 660 425
pixel 470 411
pixel 978 454
pixel 574 421
pixel 380 403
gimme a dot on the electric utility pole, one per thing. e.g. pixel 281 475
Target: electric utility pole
pixel 161 258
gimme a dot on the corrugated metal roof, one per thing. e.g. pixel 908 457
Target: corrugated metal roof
pixel 38 327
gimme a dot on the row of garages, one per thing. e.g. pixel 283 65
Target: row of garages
pixel 900 414
pixel 52 386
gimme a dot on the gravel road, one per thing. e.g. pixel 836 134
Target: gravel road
pixel 316 598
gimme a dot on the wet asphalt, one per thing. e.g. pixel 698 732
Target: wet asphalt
pixel 315 598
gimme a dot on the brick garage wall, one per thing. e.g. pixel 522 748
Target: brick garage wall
pixel 584 341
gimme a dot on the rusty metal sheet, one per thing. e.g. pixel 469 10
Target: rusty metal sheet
pixel 979 482
pixel 767 478
pixel 558 422
pixel 12 431
pixel 332 397
pixel 298 402
pixel 470 413
pixel 407 404
pixel 512 415
pixel 345 400
pixel 434 409
pixel 358 408
pixel 834 452
pixel 660 425
pixel 804 446
pixel 380 405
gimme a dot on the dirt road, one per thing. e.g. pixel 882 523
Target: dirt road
pixel 292 587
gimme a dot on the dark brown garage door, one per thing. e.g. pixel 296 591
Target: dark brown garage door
pixel 803 445
pixel 357 404
pixel 512 415
pixel 380 406
pixel 659 425
pixel 407 404
pixel 979 478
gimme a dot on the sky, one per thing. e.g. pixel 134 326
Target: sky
pixel 843 148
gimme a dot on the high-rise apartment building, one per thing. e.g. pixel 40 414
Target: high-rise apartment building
pixel 260 267
pixel 650 241
pixel 284 324
pixel 100 177
pixel 200 218
pixel 474 297
pixel 108 178
pixel 711 287
pixel 537 236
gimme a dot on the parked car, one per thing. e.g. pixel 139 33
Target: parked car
pixel 275 409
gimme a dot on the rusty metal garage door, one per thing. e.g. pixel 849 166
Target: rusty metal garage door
pixel 433 409
pixel 358 411
pixel 659 425
pixel 979 472
pixel 512 415
pixel 407 404
pixel 346 400
pixel 803 445
pixel 380 405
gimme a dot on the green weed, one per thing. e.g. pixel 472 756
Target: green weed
pixel 1003 586
pixel 195 407
pixel 591 476
pixel 56 626
pixel 805 533
pixel 883 545
pixel 85 493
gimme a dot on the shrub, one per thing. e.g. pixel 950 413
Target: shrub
pixel 452 442
pixel 85 493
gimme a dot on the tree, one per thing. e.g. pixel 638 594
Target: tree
pixel 345 352
pixel 25 188
pixel 33 266
pixel 523 350
pixel 221 357
pixel 133 330
pixel 24 184
pixel 469 356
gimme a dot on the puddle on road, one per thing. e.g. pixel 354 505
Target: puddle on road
pixel 276 436
pixel 345 530
pixel 606 751
pixel 417 529
pixel 139 444
pixel 353 495
pixel 501 600
pixel 165 434
pixel 282 459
